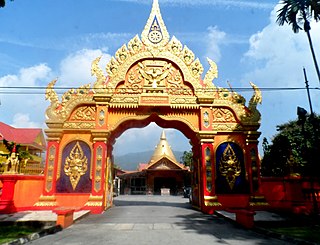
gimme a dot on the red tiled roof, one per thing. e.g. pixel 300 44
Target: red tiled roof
pixel 142 166
pixel 19 135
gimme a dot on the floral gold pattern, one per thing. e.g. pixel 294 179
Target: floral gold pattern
pixel 76 165
pixel 230 166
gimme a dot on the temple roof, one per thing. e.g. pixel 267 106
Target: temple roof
pixel 24 136
pixel 163 149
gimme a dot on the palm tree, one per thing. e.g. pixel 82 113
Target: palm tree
pixel 298 13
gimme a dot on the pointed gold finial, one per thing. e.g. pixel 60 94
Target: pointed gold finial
pixel 155 32
pixel 163 136
pixel 163 149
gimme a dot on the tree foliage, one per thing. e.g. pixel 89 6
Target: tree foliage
pixel 295 149
pixel 297 13
pixel 187 158
pixel 3 3
pixel 22 154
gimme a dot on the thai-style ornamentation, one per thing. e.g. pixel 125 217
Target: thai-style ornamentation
pixel 59 111
pixel 211 74
pixel 206 120
pixel 50 168
pixel 256 99
pixel 230 166
pixel 76 165
pixel 208 169
pixel 98 170
pixel 98 73
pixel 85 113
pixel 151 78
pixel 101 118
pixel 222 115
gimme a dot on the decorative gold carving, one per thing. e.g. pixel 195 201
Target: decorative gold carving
pixel 50 168
pixel 100 83
pixel 98 173
pixel 254 115
pixel 155 32
pixel 222 115
pixel 94 201
pixel 85 113
pixel 211 201
pixel 79 125
pixel 258 201
pixel 206 120
pixel 59 111
pixel 229 166
pixel 220 127
pixel 101 118
pixel 46 201
pixel 154 75
pixel 180 76
pixel 207 155
pixel 76 165
pixel 211 74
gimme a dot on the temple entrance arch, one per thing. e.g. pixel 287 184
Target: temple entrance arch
pixel 152 79
pixel 170 174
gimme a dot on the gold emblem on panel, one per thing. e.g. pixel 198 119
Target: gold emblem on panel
pixel 76 165
pixel 230 166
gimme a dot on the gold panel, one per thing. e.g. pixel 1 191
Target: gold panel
pixel 98 172
pixel 50 168
pixel 76 165
pixel 230 166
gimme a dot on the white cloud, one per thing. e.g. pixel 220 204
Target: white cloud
pixel 75 70
pixel 26 77
pixel 18 105
pixel 147 138
pixel 277 57
pixel 30 104
pixel 21 120
pixel 214 40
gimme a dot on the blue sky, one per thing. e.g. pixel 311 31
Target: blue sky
pixel 41 40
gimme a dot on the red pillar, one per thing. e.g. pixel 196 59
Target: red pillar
pixel 210 201
pixel 95 202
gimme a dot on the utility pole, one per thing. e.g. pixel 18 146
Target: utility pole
pixel 308 91
pixel 314 198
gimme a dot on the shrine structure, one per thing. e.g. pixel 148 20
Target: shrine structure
pixel 152 78
pixel 162 174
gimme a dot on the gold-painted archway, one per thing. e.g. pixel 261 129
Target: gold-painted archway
pixel 151 79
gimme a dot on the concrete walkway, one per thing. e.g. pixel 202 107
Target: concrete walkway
pixel 41 216
pixel 155 220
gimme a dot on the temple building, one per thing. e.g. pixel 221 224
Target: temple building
pixel 162 174
pixel 29 140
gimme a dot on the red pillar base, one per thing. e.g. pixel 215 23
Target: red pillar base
pixel 245 218
pixel 6 202
pixel 7 207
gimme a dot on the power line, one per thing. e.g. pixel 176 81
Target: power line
pixel 40 90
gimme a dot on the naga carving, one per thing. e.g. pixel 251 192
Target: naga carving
pixel 98 73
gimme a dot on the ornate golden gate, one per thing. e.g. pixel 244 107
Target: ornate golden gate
pixel 154 78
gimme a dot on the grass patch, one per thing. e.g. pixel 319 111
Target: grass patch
pixel 307 233
pixel 12 232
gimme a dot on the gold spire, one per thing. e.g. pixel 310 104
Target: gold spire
pixel 155 32
pixel 163 149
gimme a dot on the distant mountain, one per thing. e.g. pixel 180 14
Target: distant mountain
pixel 130 161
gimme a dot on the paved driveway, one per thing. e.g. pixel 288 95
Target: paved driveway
pixel 154 220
